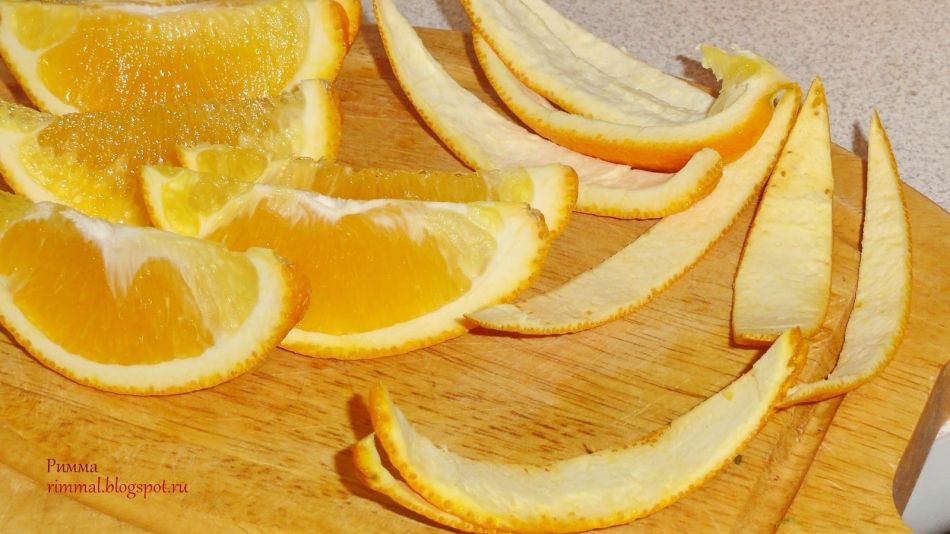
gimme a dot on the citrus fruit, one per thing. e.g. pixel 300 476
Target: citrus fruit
pixel 877 322
pixel 658 258
pixel 484 139
pixel 540 58
pixel 784 276
pixel 138 310
pixel 551 189
pixel 733 123
pixel 595 490
pixel 107 55
pixel 387 276
pixel 90 161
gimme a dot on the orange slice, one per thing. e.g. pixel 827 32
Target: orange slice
pixel 876 326
pixel 106 55
pixel 623 68
pixel 484 139
pixel 551 189
pixel 138 310
pixel 90 161
pixel 784 276
pixel 732 125
pixel 597 490
pixel 539 57
pixel 387 276
pixel 658 258
pixel 354 19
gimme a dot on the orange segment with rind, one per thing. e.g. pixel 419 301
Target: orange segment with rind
pixel 603 488
pixel 104 55
pixel 90 161
pixel 654 261
pixel 138 310
pixel 876 326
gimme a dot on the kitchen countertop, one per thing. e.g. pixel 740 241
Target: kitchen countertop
pixel 889 55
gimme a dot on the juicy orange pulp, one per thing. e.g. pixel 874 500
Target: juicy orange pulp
pixel 47 257
pixel 252 58
pixel 356 287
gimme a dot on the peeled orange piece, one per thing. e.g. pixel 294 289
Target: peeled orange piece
pixel 655 260
pixel 484 139
pixel 107 55
pixel 138 310
pixel 733 123
pixel 533 48
pixel 596 490
pixel 551 189
pixel 90 161
pixel 784 276
pixel 877 322
pixel 387 276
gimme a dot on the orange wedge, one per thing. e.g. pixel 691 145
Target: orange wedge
pixel 535 51
pixel 387 276
pixel 90 161
pixel 733 123
pixel 876 326
pixel 658 258
pixel 784 276
pixel 106 55
pixel 551 189
pixel 596 490
pixel 484 139
pixel 138 310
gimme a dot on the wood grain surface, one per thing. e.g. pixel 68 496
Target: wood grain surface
pixel 269 451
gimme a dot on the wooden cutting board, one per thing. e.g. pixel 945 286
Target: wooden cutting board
pixel 269 451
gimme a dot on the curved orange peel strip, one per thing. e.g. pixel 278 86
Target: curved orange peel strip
pixel 784 276
pixel 734 122
pixel 543 61
pixel 658 258
pixel 876 326
pixel 601 489
pixel 484 139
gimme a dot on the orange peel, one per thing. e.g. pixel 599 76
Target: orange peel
pixel 784 275
pixel 484 139
pixel 878 319
pixel 658 258
pixel 597 490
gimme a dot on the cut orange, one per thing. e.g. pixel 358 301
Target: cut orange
pixel 106 55
pixel 731 126
pixel 876 326
pixel 484 139
pixel 387 276
pixel 596 490
pixel 534 49
pixel 138 310
pixel 654 261
pixel 551 189
pixel 90 161
pixel 784 276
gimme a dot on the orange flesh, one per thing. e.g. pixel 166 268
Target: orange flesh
pixel 58 279
pixel 250 58
pixel 363 275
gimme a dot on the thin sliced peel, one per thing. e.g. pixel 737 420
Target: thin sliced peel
pixel 551 189
pixel 387 276
pixel 90 161
pixel 784 276
pixel 623 68
pixel 877 322
pixel 540 59
pixel 658 258
pixel 597 490
pixel 734 122
pixel 138 310
pixel 484 139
